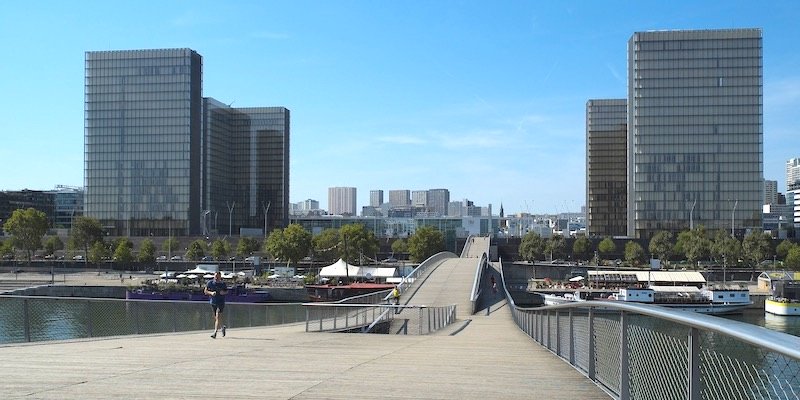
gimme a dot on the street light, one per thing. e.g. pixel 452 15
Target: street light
pixel 732 215
pixel 691 216
pixel 230 216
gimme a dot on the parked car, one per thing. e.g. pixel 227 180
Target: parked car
pixel 207 258
pixel 176 258
pixel 77 258
pixel 161 258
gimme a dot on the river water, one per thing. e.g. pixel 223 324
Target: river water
pixel 780 323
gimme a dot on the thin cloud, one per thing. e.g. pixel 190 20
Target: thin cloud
pixel 407 139
pixel 615 73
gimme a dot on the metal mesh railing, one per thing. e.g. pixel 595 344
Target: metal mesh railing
pixel 32 319
pixel 646 352
pixel 377 318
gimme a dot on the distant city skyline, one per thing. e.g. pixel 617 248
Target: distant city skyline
pixel 488 103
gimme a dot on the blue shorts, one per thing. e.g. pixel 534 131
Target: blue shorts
pixel 217 306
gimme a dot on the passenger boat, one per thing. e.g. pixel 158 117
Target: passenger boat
pixel 785 299
pixel 714 299
pixel 236 294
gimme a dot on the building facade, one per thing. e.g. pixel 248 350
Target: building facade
pixel 793 174
pixel 342 201
pixel 770 192
pixel 438 201
pixel 695 130
pixel 162 160
pixel 606 167
pixel 375 198
pixel 399 198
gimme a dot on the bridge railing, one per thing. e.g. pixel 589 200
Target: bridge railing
pixel 41 318
pixel 638 351
pixel 416 319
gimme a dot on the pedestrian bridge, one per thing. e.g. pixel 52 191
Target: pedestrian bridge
pixel 488 348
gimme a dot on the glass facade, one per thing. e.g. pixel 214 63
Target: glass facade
pixel 695 119
pixel 606 167
pixel 142 140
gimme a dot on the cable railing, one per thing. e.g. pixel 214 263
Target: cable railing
pixel 41 318
pixel 638 351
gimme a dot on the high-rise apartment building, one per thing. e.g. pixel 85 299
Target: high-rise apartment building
pixel 375 198
pixel 606 167
pixel 793 174
pixel 695 131
pixel 438 201
pixel 399 198
pixel 770 192
pixel 342 201
pixel 162 160
pixel 419 199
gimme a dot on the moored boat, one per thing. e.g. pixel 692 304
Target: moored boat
pixel 714 300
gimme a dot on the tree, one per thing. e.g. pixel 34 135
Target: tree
pixel 725 248
pixel 425 242
pixel 53 244
pixel 582 248
pixel 86 231
pixel 661 245
pixel 290 244
pixel 606 247
pixel 555 246
pixel 532 247
pixel 123 253
pixel 696 245
pixel 247 246
pixel 634 253
pixel 7 248
pixel 170 244
pixel 147 252
pixel 756 248
pixel 326 245
pixel 27 228
pixel 220 248
pixel 97 253
pixel 399 246
pixel 197 250
pixel 356 241
pixel 793 258
pixel 782 250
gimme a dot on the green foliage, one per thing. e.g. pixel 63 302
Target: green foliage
pixel 696 245
pixel 678 250
pixel 6 248
pixel 399 246
pixel 123 253
pixel 197 250
pixel 326 245
pixel 793 258
pixel 53 244
pixel 782 250
pixel 634 253
pixel 170 245
pixel 98 252
pixel 661 245
pixel 27 228
pixel 247 246
pixel 220 249
pixel 725 249
pixel 147 252
pixel 556 246
pixel 290 244
pixel 582 248
pixel 356 241
pixel 756 247
pixel 532 247
pixel 606 247
pixel 425 242
pixel 86 231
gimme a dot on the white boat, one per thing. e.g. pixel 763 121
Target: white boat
pixel 552 299
pixel 706 300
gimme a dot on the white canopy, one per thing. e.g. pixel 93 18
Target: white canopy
pixel 341 269
pixel 203 269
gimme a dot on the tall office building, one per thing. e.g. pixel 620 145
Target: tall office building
pixel 375 198
pixel 793 174
pixel 161 160
pixel 142 137
pixel 695 131
pixel 770 192
pixel 606 167
pixel 438 201
pixel 245 167
pixel 342 201
pixel 419 199
pixel 399 198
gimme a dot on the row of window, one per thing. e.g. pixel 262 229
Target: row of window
pixel 695 40
pixel 182 122
pixel 706 82
pixel 683 92
pixel 183 72
pixel 115 85
pixel 697 101
pixel 142 57
pixel 132 113
pixel 729 144
pixel 116 101
pixel 723 56
pixel 674 130
pixel 649 192
pixel 752 121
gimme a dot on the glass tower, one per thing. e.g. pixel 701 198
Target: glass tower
pixel 142 139
pixel 606 167
pixel 695 130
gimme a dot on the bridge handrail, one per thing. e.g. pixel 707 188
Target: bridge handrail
pixel 410 280
pixel 630 349
pixel 332 317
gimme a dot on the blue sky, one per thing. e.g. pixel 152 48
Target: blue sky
pixel 486 99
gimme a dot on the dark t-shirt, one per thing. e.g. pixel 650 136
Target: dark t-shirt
pixel 217 287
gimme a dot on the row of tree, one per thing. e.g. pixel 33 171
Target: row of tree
pixel 694 245
pixel 353 243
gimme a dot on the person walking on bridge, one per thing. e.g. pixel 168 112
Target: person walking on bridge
pixel 396 299
pixel 217 289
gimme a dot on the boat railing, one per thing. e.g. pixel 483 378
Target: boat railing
pixel 639 351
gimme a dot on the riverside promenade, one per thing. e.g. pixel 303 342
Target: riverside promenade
pixel 482 356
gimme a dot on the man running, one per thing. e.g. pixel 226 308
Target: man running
pixel 217 289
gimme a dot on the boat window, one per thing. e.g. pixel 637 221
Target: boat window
pixel 719 297
pixel 733 295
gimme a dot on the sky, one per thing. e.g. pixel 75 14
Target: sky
pixel 486 99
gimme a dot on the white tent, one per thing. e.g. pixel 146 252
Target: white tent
pixel 203 269
pixel 339 269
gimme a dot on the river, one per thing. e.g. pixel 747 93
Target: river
pixel 780 323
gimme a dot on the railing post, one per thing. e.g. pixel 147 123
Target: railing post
pixel 591 357
pixel 624 378
pixel 571 338
pixel 89 318
pixel 307 317
pixel 27 320
pixel 693 369
pixel 547 331
pixel 558 334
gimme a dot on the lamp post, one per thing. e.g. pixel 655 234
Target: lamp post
pixel 230 216
pixel 732 215
pixel 691 216
pixel 266 210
